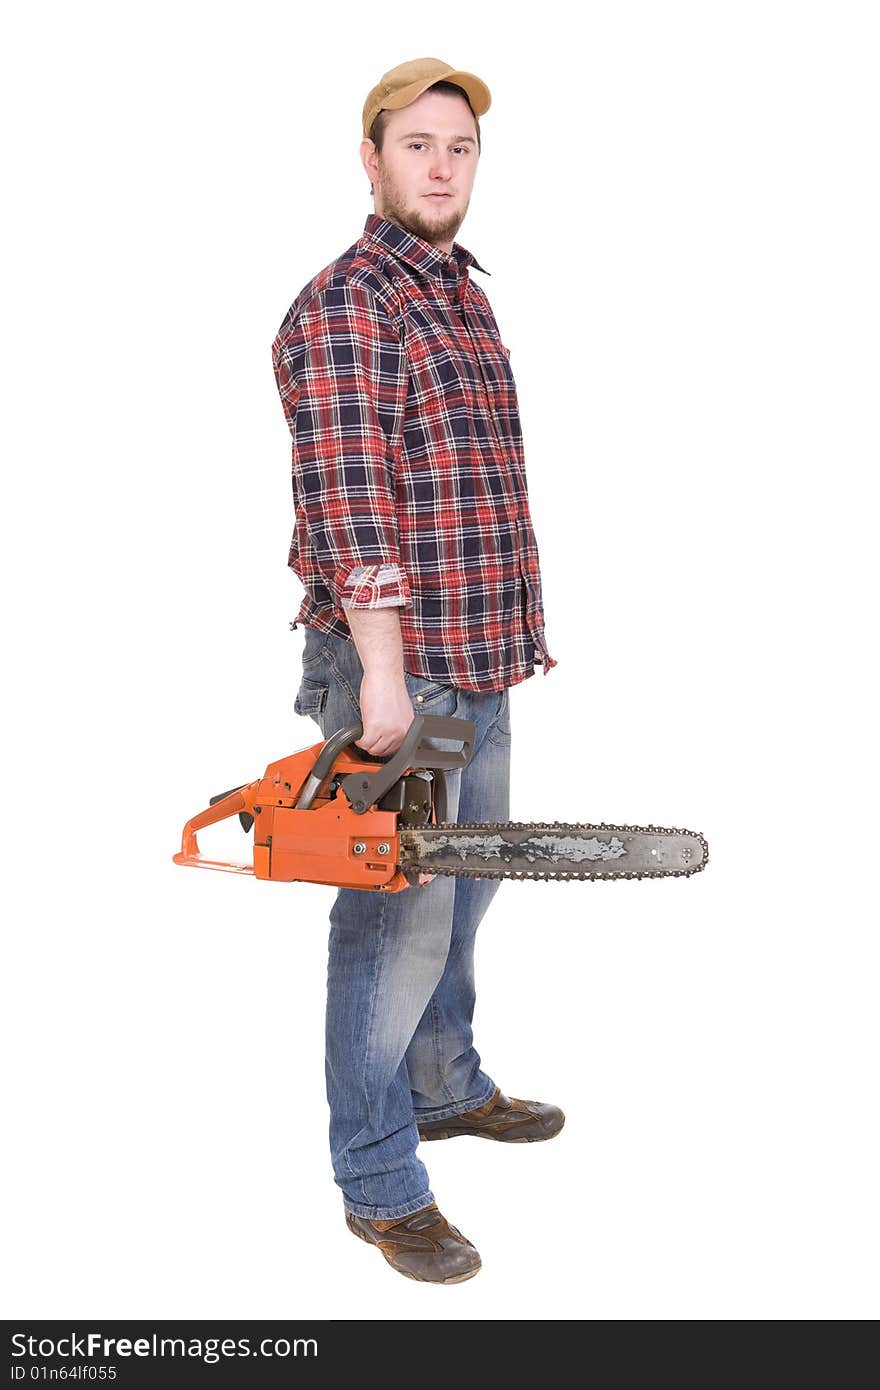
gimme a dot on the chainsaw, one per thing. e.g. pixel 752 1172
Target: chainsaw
pixel 336 814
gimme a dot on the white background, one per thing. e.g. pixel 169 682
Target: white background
pixel 678 207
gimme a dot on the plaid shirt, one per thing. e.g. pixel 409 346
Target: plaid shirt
pixel 408 474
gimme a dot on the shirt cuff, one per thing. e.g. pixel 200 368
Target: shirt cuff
pixel 382 585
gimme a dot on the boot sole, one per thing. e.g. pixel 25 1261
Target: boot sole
pixel 453 1278
pixel 482 1134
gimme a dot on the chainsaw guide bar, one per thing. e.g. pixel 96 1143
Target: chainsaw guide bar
pixel 553 850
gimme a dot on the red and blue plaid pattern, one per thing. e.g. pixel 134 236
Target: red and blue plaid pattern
pixel 409 480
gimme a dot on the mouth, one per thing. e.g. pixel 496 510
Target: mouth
pixel 437 197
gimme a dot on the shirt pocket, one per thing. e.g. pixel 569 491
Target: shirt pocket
pixel 502 370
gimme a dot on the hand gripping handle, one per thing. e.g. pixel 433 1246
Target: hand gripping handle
pixel 365 789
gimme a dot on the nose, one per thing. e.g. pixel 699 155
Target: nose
pixel 441 166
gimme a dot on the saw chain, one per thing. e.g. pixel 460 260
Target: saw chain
pixel 412 842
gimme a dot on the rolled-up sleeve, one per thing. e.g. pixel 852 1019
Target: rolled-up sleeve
pixel 342 377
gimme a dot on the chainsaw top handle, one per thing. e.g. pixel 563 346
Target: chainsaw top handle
pixel 364 790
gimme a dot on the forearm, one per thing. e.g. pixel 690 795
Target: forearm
pixel 386 711
pixel 386 708
pixel 377 636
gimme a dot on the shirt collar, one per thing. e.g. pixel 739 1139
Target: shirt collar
pixel 420 254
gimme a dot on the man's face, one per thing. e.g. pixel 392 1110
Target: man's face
pixel 423 177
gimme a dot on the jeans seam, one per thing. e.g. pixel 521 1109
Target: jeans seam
pixel 308 662
pixel 342 681
pixel 435 1036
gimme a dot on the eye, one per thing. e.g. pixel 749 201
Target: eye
pixel 419 144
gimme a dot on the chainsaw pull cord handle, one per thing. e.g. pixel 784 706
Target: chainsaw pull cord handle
pixel 363 791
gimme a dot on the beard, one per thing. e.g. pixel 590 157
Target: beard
pixel 431 225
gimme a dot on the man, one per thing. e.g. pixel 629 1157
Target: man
pixel 414 543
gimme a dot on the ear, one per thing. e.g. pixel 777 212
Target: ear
pixel 370 160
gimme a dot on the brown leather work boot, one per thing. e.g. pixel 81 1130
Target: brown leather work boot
pixel 422 1246
pixel 511 1121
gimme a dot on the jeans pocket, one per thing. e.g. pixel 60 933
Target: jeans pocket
pixel 499 733
pixel 314 647
pixel 424 692
pixel 311 698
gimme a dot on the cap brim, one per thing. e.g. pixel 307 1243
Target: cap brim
pixel 478 93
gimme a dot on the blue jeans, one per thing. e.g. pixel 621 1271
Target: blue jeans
pixel 400 976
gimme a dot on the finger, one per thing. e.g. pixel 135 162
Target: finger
pixel 375 745
pixel 381 750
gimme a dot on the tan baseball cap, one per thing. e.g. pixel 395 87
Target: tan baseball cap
pixel 407 81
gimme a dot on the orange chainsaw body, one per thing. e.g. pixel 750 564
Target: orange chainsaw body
pixel 312 846
pixel 331 813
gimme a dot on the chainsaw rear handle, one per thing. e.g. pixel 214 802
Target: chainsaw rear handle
pixel 364 791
